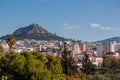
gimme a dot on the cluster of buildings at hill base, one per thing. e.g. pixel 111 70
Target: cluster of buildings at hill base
pixel 94 49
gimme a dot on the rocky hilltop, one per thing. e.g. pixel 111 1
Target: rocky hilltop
pixel 34 31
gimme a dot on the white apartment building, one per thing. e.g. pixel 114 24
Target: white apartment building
pixel 99 49
pixel 117 47
pixel 103 48
pixel 5 45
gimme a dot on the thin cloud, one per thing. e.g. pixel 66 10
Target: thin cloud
pixel 67 26
pixel 99 26
pixel 107 28
pixel 95 25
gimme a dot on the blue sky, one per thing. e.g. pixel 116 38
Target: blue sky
pixel 87 20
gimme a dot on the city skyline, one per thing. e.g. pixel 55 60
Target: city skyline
pixel 77 19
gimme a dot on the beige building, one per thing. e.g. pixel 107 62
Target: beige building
pixel 109 47
pixel 83 47
pixel 77 49
pixel 96 60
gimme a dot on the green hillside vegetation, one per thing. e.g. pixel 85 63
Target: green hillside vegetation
pixel 30 66
pixel 36 66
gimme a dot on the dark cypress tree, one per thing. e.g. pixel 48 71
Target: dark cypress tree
pixel 2 51
pixel 87 66
pixel 68 63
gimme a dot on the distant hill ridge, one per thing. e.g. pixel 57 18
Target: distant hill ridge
pixel 34 31
pixel 117 39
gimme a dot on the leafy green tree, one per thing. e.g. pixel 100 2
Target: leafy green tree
pixel 11 41
pixel 35 65
pixel 55 67
pixel 111 65
pixel 12 66
pixel 87 66
pixel 68 63
pixel 4 67
pixel 98 77
pixel 24 66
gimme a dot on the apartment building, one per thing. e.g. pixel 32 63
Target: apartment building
pixel 77 48
pixel 109 47
pixel 83 47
